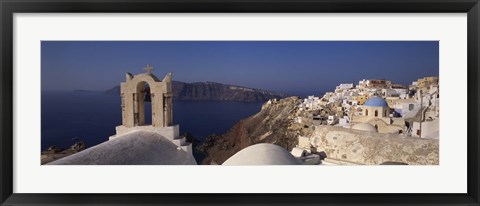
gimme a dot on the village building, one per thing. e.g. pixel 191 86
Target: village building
pixel 400 89
pixel 312 103
pixel 342 87
pixel 424 83
pixel 426 129
pixel 378 83
pixel 390 93
pixel 362 84
pixel 361 99
pixel 402 107
pixel 344 122
pixel 428 126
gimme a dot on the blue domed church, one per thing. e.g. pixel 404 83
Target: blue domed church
pixel 376 112
pixel 376 107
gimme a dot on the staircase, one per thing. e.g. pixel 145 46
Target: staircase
pixel 182 144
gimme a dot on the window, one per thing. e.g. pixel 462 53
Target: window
pixel 376 113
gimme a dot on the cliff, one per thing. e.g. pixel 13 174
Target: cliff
pixel 214 91
pixel 273 124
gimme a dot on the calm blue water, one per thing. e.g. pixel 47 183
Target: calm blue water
pixel 92 117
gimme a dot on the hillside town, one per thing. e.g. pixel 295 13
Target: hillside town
pixel 377 108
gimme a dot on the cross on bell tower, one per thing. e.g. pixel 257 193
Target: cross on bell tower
pixel 148 68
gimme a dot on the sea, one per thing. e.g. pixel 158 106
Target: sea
pixel 68 117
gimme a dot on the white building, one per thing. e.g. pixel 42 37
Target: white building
pixel 426 129
pixel 390 93
pixel 362 84
pixel 344 87
pixel 332 119
pixel 312 103
pixel 344 122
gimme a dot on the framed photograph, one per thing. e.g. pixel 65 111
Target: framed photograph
pixel 239 102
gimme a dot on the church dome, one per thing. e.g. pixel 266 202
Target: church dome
pixel 376 102
pixel 139 147
pixel 364 127
pixel 262 154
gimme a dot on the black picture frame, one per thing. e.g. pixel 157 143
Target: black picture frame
pixel 9 7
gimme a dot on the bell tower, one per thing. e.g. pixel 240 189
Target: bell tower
pixel 133 94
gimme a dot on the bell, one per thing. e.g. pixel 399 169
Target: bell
pixel 148 97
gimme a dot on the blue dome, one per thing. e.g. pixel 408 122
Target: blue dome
pixel 376 102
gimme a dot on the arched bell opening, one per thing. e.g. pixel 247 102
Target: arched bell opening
pixel 143 105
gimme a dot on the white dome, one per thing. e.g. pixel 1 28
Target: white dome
pixel 364 127
pixel 134 148
pixel 262 154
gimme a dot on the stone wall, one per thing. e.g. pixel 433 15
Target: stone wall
pixel 373 148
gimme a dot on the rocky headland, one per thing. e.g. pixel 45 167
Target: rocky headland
pixel 215 92
pixel 54 153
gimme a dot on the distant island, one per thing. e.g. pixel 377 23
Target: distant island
pixel 83 91
pixel 215 92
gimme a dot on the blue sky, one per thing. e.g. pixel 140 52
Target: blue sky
pixel 295 67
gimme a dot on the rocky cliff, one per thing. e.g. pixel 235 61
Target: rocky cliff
pixel 215 91
pixel 273 124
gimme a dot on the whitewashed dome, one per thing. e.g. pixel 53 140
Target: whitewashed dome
pixel 262 154
pixel 364 127
pixel 134 148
